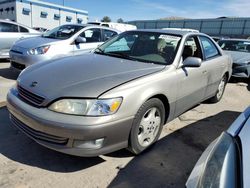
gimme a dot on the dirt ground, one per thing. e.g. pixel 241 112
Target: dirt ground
pixel 24 163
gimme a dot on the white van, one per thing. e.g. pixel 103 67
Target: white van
pixel 119 26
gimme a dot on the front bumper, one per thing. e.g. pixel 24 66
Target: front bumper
pixel 242 71
pixel 61 132
pixel 20 60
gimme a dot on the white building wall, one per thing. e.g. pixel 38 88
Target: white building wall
pixel 64 14
pixel 20 16
pixel 11 15
pixel 34 18
pixel 46 22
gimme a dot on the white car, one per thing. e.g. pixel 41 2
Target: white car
pixel 10 32
pixel 62 41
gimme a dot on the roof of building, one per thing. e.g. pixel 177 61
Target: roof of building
pixel 48 5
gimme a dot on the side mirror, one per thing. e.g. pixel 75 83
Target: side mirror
pixel 192 62
pixel 80 40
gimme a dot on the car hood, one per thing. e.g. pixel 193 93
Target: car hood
pixel 35 42
pixel 87 75
pixel 239 57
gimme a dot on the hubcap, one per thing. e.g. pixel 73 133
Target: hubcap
pixel 149 127
pixel 221 87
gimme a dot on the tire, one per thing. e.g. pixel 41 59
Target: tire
pixel 147 125
pixel 220 90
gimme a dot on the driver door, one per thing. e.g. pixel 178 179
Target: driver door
pixel 192 81
pixel 93 38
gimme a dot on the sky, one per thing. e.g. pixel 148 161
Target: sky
pixel 130 10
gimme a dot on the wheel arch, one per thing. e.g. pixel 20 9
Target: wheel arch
pixel 165 102
pixel 227 74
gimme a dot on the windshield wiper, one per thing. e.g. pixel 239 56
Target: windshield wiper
pixel 50 37
pixel 121 55
pixel 99 51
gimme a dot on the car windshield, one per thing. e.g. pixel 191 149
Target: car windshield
pixel 63 32
pixel 149 47
pixel 233 45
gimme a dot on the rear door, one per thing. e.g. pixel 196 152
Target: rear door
pixel 214 64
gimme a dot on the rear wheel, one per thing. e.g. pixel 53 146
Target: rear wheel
pixel 220 90
pixel 147 125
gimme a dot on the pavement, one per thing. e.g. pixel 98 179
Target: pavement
pixel 26 164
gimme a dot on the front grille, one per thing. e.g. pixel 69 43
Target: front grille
pixel 37 135
pixel 17 65
pixel 15 51
pixel 30 97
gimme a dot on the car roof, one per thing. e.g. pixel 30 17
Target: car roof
pixel 170 31
pixel 94 26
pixel 235 39
pixel 241 129
pixel 12 22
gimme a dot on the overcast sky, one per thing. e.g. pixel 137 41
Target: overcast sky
pixel 130 10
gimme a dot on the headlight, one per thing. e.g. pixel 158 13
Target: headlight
pixel 88 107
pixel 39 50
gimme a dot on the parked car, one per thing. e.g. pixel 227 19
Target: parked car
pixel 121 95
pixel 225 163
pixel 64 40
pixel 119 26
pixel 10 32
pixel 239 49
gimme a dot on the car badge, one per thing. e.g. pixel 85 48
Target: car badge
pixel 33 84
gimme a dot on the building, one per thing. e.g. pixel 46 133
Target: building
pixel 231 27
pixel 35 13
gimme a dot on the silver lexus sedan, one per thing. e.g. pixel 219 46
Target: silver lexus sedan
pixel 121 95
pixel 225 163
pixel 61 41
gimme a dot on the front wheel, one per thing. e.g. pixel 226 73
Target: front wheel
pixel 220 90
pixel 147 125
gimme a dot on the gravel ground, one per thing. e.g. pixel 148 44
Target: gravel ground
pixel 23 163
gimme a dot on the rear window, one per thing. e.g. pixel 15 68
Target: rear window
pixel 8 27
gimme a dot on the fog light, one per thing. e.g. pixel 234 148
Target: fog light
pixel 92 144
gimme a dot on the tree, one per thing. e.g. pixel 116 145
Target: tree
pixel 106 19
pixel 120 20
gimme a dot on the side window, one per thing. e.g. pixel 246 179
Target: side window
pixel 107 34
pixel 7 27
pixel 209 48
pixel 92 35
pixel 23 30
pixel 191 48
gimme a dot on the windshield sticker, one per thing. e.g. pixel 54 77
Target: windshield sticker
pixel 169 37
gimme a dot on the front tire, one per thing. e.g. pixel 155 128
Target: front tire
pixel 147 125
pixel 220 90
